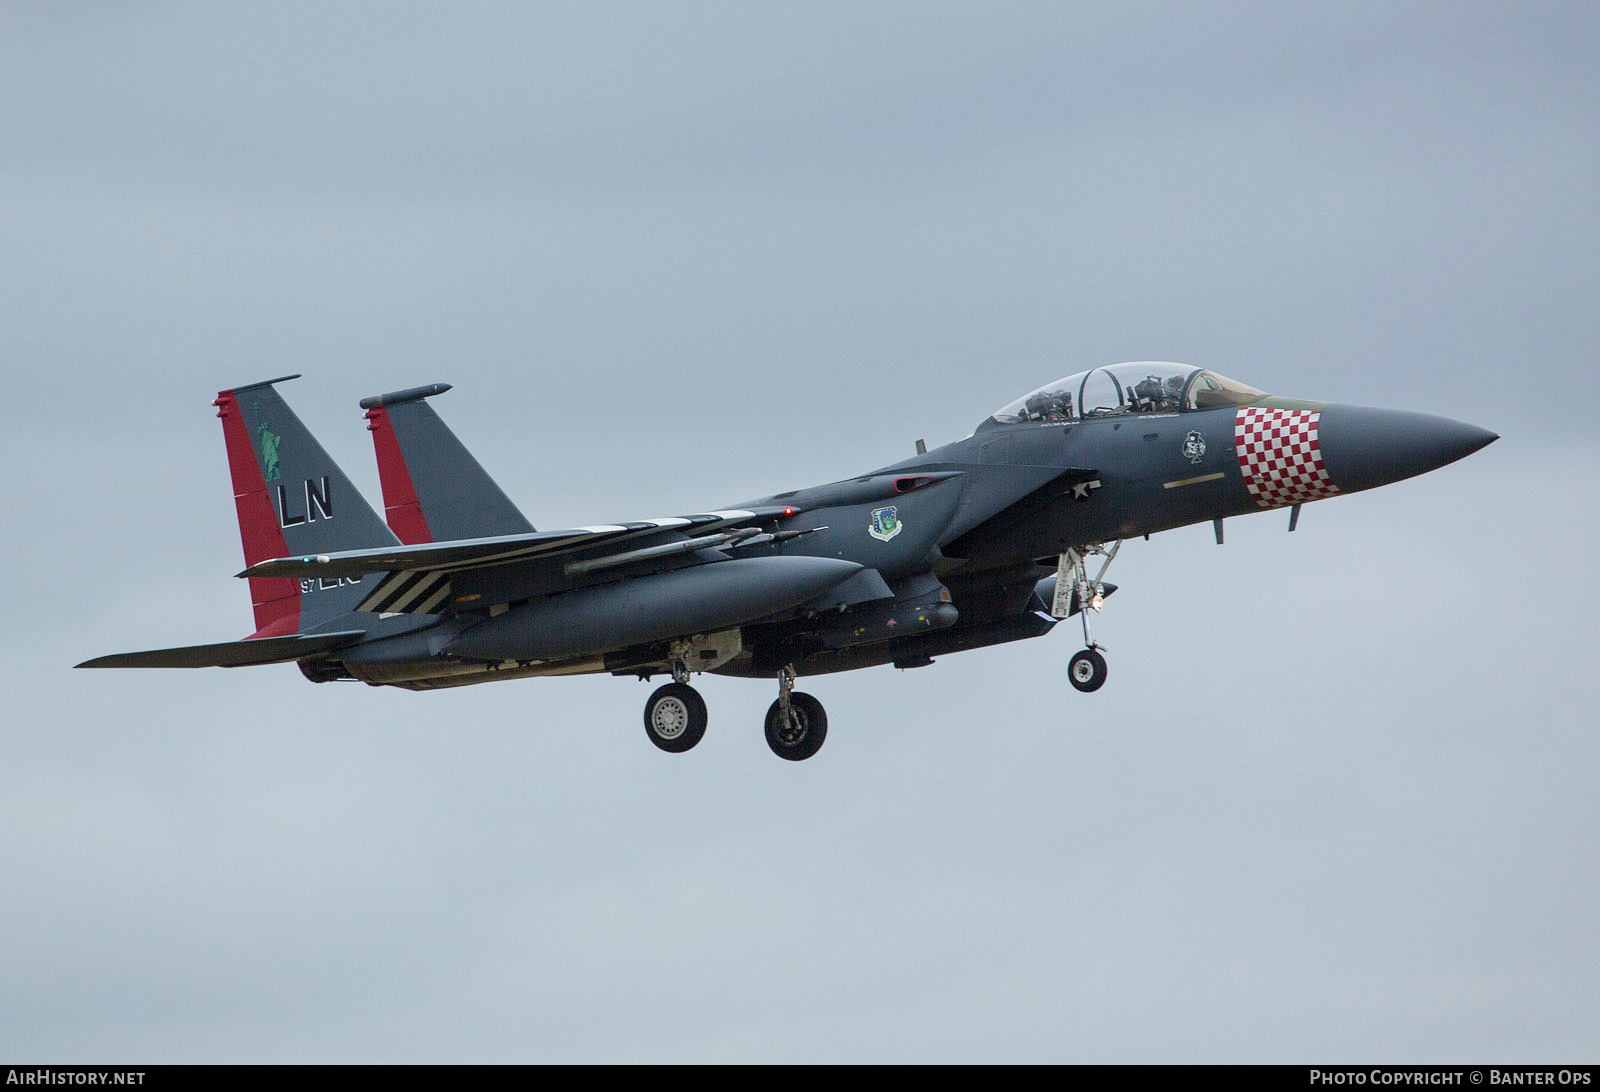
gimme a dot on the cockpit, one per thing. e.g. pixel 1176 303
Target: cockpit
pixel 1145 387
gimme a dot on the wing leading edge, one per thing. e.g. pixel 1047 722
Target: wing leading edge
pixel 501 550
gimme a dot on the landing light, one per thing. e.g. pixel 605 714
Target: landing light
pixel 1097 602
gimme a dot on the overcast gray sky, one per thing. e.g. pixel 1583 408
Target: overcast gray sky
pixel 1337 799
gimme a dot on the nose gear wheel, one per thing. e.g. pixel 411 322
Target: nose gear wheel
pixel 1087 670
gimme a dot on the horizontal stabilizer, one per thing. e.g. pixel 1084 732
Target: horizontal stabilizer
pixel 266 650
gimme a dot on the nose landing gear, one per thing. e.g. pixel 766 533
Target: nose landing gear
pixel 1087 670
pixel 1074 590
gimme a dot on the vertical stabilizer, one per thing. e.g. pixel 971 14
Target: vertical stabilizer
pixel 292 498
pixel 433 489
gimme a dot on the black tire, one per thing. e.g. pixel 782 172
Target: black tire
pixel 675 718
pixel 805 732
pixel 1087 670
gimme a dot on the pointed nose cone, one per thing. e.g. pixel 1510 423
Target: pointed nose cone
pixel 1363 448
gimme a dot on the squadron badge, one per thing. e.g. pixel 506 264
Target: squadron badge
pixel 1194 446
pixel 885 523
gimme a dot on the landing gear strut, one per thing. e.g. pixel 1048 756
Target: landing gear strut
pixel 675 716
pixel 1087 669
pixel 796 723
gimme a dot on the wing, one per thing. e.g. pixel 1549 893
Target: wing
pixel 419 575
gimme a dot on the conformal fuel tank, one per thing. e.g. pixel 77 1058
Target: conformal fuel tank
pixel 652 608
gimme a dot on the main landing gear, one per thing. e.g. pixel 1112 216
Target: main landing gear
pixel 1087 669
pixel 675 718
pixel 796 723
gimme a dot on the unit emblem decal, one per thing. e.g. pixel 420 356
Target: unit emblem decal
pixel 1194 446
pixel 1280 456
pixel 269 441
pixel 885 523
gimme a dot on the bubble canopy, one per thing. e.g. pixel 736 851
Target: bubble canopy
pixel 1141 387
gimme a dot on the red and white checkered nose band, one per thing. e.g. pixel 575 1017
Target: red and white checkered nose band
pixel 1280 457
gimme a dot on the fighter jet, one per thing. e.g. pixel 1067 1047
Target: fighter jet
pixel 982 541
